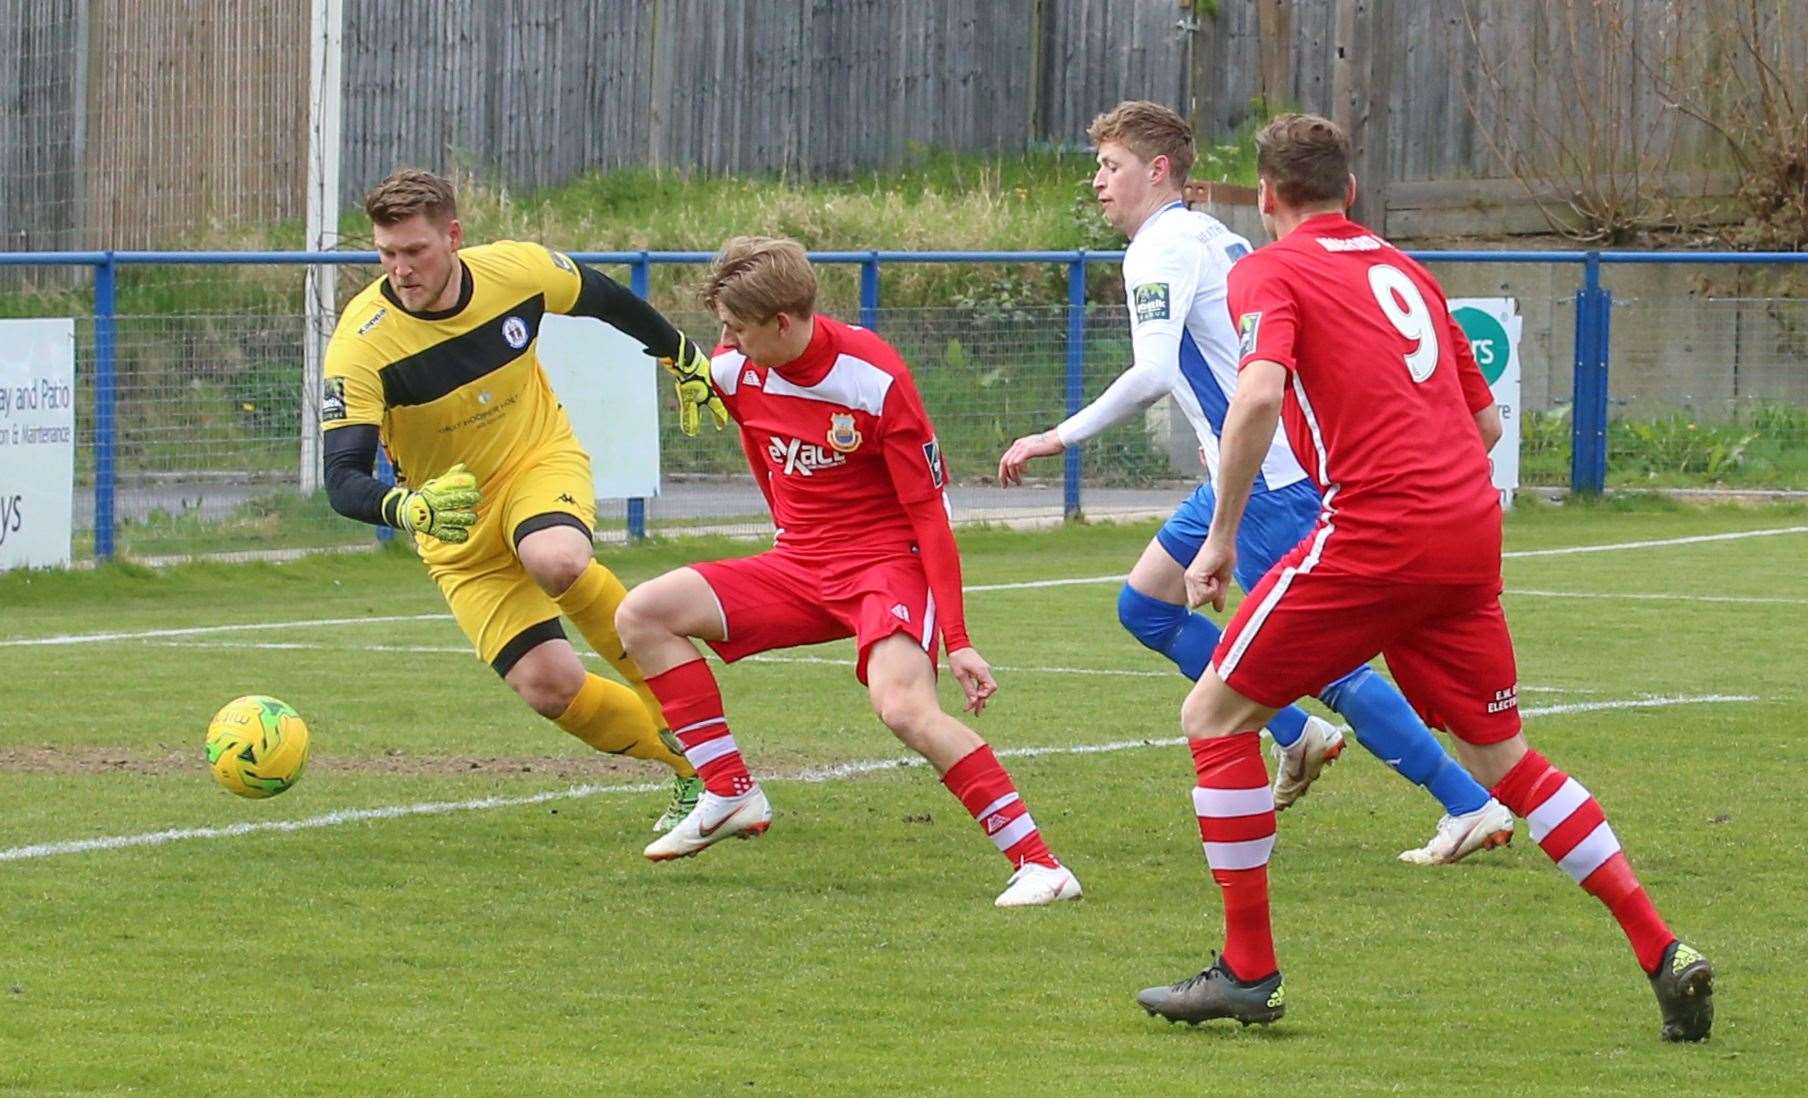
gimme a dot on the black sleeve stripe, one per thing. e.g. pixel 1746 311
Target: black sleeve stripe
pixel 608 301
pixel 350 452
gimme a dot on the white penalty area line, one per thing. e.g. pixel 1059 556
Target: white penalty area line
pixel 838 772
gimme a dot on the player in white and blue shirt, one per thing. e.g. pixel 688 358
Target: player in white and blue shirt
pixel 1185 347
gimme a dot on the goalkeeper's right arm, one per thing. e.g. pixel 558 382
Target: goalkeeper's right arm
pixel 444 507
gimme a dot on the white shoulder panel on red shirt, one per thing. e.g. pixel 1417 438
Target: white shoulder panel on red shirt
pixel 851 382
pixel 725 369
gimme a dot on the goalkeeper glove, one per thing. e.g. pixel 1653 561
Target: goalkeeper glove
pixel 690 371
pixel 445 507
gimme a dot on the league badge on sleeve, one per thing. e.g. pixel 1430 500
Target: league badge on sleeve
pixel 844 437
pixel 932 453
pixel 1248 327
pixel 332 400
pixel 1151 301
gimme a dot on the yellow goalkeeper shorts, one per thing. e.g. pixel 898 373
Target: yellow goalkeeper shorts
pixel 498 605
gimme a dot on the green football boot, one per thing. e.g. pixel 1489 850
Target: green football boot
pixel 685 792
pixel 1217 993
pixel 1684 983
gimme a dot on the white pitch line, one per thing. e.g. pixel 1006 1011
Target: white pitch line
pixel 201 630
pixel 811 775
pixel 1658 543
pixel 1638 596
pixel 95 638
pixel 1027 584
pixel 830 661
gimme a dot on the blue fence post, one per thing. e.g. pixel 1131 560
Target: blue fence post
pixel 869 292
pixel 640 280
pixel 1076 376
pixel 106 303
pixel 1588 427
pixel 1604 382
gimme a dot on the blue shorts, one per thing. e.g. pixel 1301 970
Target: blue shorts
pixel 1273 523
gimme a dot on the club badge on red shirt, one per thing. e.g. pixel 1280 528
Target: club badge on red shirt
pixel 844 437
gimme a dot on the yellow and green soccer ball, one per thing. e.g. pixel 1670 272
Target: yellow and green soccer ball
pixel 257 746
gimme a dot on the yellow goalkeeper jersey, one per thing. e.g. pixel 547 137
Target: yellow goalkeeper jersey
pixel 462 384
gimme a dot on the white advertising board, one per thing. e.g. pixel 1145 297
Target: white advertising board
pixel 1493 325
pixel 37 441
pixel 610 388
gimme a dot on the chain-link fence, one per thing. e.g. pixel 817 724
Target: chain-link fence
pixel 208 408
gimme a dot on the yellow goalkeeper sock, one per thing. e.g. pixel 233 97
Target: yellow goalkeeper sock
pixel 607 716
pixel 591 603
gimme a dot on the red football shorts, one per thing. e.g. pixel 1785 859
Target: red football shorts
pixel 778 599
pixel 1304 627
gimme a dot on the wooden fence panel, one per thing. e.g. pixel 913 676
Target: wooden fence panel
pixel 124 121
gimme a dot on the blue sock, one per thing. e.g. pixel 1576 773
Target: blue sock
pixel 1386 724
pixel 1188 638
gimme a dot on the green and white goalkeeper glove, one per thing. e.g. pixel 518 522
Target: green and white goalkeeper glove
pixel 445 507
pixel 690 371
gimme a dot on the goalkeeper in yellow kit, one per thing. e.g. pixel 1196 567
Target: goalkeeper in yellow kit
pixel 436 361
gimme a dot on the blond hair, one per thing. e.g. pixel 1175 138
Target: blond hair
pixel 1149 130
pixel 410 191
pixel 757 277
pixel 1305 158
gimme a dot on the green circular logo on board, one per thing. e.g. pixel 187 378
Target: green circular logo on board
pixel 1487 339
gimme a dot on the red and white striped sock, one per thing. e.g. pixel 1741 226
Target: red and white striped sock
pixel 983 786
pixel 692 704
pixel 1235 807
pixel 1568 823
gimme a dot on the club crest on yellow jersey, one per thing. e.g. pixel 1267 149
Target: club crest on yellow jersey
pixel 844 437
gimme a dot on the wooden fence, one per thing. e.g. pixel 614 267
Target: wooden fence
pixel 142 121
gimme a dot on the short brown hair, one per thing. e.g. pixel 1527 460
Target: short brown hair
pixel 758 277
pixel 1305 158
pixel 411 191
pixel 1149 130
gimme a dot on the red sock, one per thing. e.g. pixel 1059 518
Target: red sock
pixel 1569 824
pixel 693 708
pixel 1236 823
pixel 983 786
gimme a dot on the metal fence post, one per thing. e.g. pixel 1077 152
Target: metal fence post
pixel 869 292
pixel 1076 377
pixel 1588 427
pixel 385 475
pixel 640 280
pixel 106 302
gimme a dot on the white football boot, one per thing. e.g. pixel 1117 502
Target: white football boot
pixel 1487 827
pixel 1038 885
pixel 714 819
pixel 1297 767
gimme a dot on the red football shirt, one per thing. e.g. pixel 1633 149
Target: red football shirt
pixel 844 451
pixel 1382 392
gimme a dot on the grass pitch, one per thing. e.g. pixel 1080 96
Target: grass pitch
pixel 460 905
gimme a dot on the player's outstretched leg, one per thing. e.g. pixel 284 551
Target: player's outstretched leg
pixel 591 603
pixel 604 714
pixel 732 803
pixel 558 557
pixel 1566 821
pixel 1386 724
pixel 1303 744
pixel 901 681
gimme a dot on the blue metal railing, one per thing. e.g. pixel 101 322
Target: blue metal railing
pixel 1588 459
